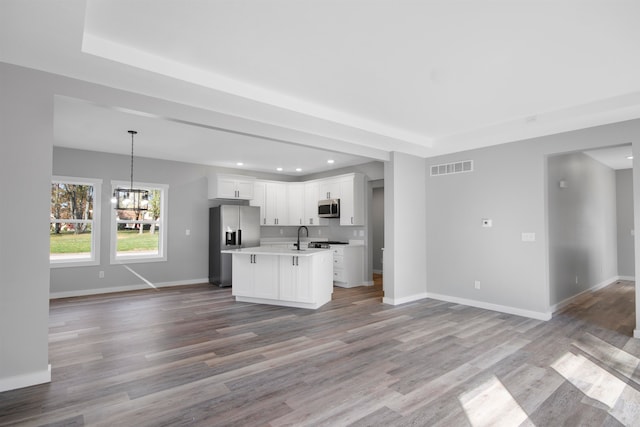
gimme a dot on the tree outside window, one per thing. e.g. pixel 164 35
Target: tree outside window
pixel 73 227
pixel 139 234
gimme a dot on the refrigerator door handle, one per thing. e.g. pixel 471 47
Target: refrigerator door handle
pixel 239 237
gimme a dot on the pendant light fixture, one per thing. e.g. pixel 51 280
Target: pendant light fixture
pixel 131 199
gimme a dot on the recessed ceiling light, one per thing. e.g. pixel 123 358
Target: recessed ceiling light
pixel 331 161
pixel 239 163
pixel 279 169
pixel 630 157
pixel 298 170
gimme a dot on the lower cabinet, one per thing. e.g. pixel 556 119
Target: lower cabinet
pixel 295 279
pixel 255 276
pixel 291 280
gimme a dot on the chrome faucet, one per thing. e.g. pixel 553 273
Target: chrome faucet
pixel 300 228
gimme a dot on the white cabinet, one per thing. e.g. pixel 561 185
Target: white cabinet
pixel 306 279
pixel 295 196
pixel 276 207
pixel 348 265
pixel 296 203
pixel 311 203
pixel 273 276
pixel 352 200
pixel 255 275
pixel 329 189
pixel 260 200
pixel 224 186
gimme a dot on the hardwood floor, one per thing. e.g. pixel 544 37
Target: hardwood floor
pixel 192 356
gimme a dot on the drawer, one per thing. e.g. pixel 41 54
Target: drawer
pixel 338 250
pixel 338 276
pixel 338 262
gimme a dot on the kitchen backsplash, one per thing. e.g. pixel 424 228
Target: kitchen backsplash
pixel 332 232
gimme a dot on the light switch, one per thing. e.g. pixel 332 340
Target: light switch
pixel 187 232
pixel 528 237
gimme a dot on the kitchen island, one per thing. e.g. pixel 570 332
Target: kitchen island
pixel 281 276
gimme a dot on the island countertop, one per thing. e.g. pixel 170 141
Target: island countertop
pixel 266 250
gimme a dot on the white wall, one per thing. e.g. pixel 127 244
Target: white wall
pixel 26 120
pixel 624 210
pixel 582 225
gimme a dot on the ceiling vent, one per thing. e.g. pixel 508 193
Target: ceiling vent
pixel 449 168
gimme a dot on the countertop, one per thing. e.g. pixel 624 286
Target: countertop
pixel 265 250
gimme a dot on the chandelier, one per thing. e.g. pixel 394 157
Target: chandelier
pixel 131 199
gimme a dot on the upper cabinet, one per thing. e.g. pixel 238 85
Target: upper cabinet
pixel 311 197
pixel 329 188
pixel 296 203
pixel 276 206
pixel 351 191
pixel 224 186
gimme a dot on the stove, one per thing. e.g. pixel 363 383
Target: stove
pixel 325 244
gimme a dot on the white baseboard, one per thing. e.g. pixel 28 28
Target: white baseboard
pixel 636 333
pixel 538 315
pixel 97 291
pixel 631 278
pixel 404 300
pixel 565 302
pixel 25 380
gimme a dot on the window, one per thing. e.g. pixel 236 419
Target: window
pixel 140 236
pixel 74 232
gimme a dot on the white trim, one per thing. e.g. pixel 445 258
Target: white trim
pixel 539 315
pixel 631 278
pixel 99 291
pixel 96 223
pixel 283 303
pixel 562 304
pixel 162 227
pixel 404 300
pixel 25 380
pixel 636 333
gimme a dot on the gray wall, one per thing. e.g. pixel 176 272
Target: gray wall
pixel 26 120
pixel 509 185
pixel 187 256
pixel 624 209
pixel 377 223
pixel 582 225
pixel 405 268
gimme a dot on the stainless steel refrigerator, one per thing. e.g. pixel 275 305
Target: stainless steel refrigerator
pixel 230 227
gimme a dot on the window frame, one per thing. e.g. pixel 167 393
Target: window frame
pixel 162 222
pixel 94 258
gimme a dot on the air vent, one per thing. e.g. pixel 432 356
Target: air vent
pixel 449 168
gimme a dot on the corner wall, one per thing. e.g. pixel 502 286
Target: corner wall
pixel 624 211
pixel 405 277
pixel 582 226
pixel 26 120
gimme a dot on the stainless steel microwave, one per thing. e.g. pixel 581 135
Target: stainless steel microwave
pixel 329 208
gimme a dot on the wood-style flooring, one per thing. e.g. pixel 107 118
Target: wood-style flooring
pixel 190 355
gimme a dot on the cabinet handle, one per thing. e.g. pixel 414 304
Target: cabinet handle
pixel 293 260
pixel 265 221
pixel 296 261
pixel 310 221
pixel 351 220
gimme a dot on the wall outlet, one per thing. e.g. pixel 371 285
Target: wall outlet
pixel 361 233
pixel 187 232
pixel 576 279
pixel 528 237
pixel 281 232
pixel 486 222
pixel 355 232
pixel 476 284
pixel 101 274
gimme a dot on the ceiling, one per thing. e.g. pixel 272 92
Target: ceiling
pixel 619 157
pixel 293 84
